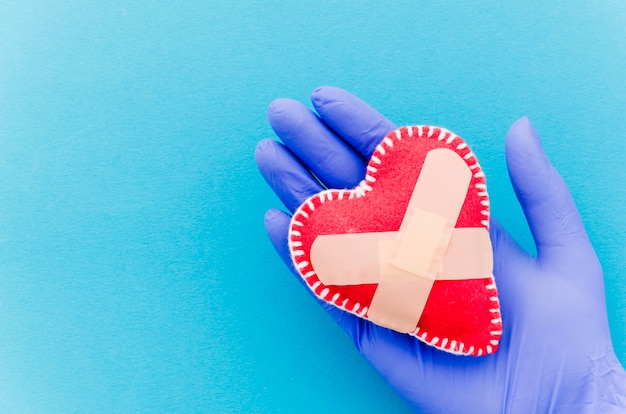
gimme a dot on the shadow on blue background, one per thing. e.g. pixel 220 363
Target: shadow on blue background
pixel 135 275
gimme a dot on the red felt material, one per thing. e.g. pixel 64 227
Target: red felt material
pixel 461 316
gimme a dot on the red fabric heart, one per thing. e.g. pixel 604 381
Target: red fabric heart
pixel 460 316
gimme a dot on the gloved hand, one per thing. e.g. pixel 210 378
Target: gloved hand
pixel 555 353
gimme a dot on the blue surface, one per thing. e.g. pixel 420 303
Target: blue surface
pixel 135 275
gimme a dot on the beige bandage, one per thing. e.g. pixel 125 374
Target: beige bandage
pixel 435 204
pixel 419 247
pixel 408 293
pixel 426 248
pixel 348 259
pixel 359 258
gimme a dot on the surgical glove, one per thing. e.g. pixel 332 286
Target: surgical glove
pixel 555 353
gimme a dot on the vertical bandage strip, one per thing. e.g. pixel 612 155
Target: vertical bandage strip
pixel 417 253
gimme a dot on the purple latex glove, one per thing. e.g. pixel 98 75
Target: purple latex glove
pixel 555 353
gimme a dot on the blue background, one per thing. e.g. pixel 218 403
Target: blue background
pixel 135 274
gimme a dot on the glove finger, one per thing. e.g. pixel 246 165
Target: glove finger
pixel 353 120
pixel 330 158
pixel 277 226
pixel 552 216
pixel 289 179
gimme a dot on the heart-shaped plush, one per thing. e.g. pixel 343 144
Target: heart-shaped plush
pixel 409 247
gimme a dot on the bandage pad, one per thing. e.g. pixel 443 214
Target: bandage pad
pixel 409 247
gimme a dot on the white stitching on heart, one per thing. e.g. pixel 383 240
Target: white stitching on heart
pixel 452 346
